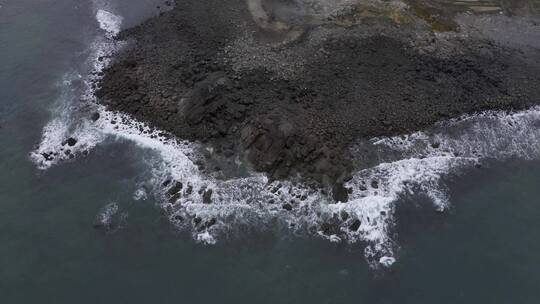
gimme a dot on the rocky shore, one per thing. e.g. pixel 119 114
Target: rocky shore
pixel 289 85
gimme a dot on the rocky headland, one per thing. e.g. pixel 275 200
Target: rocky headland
pixel 289 85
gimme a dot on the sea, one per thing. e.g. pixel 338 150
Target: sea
pixel 445 215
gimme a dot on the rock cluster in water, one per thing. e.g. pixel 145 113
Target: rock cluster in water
pixel 289 85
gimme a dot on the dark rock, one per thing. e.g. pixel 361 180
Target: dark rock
pixel 189 189
pixel 344 215
pixel 340 193
pixel 287 206
pixel 174 198
pixel 330 228
pixel 211 222
pixel 175 188
pixel 47 156
pixel 70 142
pixel 95 116
pixel 207 196
pixel 355 225
pixel 348 177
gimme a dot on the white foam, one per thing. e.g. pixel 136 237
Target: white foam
pixel 110 219
pixel 415 167
pixel 66 122
pixel 375 191
pixel 106 214
pixel 387 261
pixel 417 162
pixel 109 22
pixel 140 195
pixel 490 134
pixel 205 238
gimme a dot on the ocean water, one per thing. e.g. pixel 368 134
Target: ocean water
pixel 452 217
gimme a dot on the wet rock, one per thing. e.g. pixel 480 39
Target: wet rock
pixel 348 177
pixel 355 225
pixel 95 116
pixel 47 156
pixel 330 228
pixel 175 188
pixel 344 215
pixel 70 142
pixel 340 193
pixel 211 222
pixel 189 190
pixel 287 206
pixel 174 198
pixel 207 196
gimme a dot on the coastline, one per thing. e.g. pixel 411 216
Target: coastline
pixel 294 105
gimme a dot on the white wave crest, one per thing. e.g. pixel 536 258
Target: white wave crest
pixel 77 91
pixel 416 163
pixel 109 22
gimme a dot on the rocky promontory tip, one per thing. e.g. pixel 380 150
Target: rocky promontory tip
pixel 290 85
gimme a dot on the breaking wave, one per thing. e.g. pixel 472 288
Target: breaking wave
pixel 416 163
pixel 211 207
pixel 77 97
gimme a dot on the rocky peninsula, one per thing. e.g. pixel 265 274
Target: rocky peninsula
pixel 289 85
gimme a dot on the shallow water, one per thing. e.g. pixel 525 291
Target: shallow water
pixel 481 248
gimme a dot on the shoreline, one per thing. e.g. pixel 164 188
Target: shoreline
pixel 292 104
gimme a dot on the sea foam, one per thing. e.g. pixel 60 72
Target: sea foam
pixel 66 121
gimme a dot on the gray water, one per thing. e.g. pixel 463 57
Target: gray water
pixel 482 249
